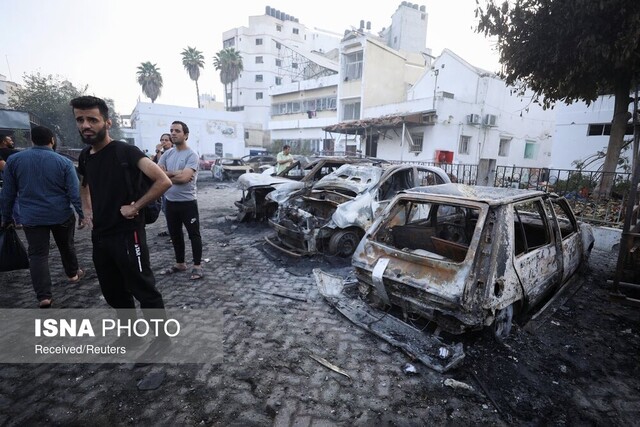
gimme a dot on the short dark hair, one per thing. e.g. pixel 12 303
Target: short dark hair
pixel 168 134
pixel 284 147
pixel 89 102
pixel 185 128
pixel 41 135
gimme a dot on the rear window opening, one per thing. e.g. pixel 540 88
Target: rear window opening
pixel 439 231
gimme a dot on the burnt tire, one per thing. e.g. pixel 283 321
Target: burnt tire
pixel 502 323
pixel 343 243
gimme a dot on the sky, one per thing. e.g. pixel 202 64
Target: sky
pixel 100 44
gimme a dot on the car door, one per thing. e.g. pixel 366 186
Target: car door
pixel 571 240
pixel 537 260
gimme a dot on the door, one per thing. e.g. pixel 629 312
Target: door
pixel 537 260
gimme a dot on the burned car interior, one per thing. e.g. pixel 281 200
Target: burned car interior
pixel 441 231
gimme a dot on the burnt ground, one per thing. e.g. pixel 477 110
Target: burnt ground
pixel 579 367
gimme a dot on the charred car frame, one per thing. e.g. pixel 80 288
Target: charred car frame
pixel 332 216
pixel 470 257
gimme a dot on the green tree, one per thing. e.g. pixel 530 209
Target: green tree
pixel 570 50
pixel 150 79
pixel 229 62
pixel 193 61
pixel 47 97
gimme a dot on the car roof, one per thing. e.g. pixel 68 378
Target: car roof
pixel 490 195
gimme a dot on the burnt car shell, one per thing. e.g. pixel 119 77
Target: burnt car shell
pixel 257 202
pixel 331 216
pixel 469 257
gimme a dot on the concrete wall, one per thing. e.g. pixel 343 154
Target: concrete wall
pixel 206 128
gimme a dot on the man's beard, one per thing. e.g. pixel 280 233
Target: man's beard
pixel 95 139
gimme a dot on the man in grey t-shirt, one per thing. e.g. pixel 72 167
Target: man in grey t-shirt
pixel 181 166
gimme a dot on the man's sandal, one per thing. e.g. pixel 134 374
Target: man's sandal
pixel 197 274
pixel 46 303
pixel 172 270
pixel 79 275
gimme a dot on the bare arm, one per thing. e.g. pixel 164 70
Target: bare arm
pixel 181 177
pixel 161 183
pixel 85 198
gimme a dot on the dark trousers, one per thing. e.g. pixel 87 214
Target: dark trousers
pixel 124 271
pixel 38 240
pixel 184 213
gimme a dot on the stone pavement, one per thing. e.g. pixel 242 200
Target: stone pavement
pixel 267 377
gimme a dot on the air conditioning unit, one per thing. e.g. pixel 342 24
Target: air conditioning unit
pixel 490 120
pixel 473 119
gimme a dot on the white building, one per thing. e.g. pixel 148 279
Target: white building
pixel 453 113
pixel 5 90
pixel 276 50
pixel 581 131
pixel 210 132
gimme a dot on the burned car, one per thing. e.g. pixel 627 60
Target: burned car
pixel 229 168
pixel 470 257
pixel 304 171
pixel 332 216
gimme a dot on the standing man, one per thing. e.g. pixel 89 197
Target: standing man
pixel 164 146
pixel 48 187
pixel 120 251
pixel 284 159
pixel 7 148
pixel 181 166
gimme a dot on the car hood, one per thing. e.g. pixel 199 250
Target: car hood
pixel 351 177
pixel 249 180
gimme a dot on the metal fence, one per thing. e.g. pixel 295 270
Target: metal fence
pixel 577 186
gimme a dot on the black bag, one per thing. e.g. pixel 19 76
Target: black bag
pixel 13 255
pixel 151 212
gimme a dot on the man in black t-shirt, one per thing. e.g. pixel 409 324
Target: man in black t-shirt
pixel 120 252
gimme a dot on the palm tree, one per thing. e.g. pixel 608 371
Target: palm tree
pixel 150 79
pixel 193 60
pixel 229 62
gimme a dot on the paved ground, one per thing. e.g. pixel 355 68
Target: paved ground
pixel 581 367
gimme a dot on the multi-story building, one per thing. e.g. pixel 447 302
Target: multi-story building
pixel 5 90
pixel 276 50
pixel 454 112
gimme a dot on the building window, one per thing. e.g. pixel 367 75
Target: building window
pixel 258 95
pixel 465 142
pixel 229 42
pixel 246 134
pixel 278 81
pixel 278 45
pixel 294 65
pixel 278 27
pixel 218 149
pixel 258 77
pixel 416 143
pixel 296 31
pixel 530 150
pixel 259 60
pixel 353 66
pixel 503 149
pixel 278 62
pixel 604 129
pixel 351 111
pixel 258 42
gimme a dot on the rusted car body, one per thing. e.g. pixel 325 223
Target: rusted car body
pixel 255 187
pixel 332 216
pixel 470 257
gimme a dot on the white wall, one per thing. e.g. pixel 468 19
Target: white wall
pixel 572 141
pixel 206 128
